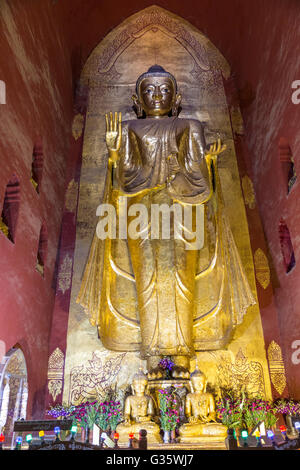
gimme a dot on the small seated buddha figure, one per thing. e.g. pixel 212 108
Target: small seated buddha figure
pixel 200 411
pixel 138 413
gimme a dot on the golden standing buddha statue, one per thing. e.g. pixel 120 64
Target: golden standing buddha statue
pixel 162 296
pixel 200 411
pixel 138 413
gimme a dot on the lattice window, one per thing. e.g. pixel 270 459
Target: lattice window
pixel 37 166
pixel 287 250
pixel 42 250
pixel 10 209
pixel 287 163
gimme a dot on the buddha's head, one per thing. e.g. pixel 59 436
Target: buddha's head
pixel 139 383
pixel 199 381
pixel 156 93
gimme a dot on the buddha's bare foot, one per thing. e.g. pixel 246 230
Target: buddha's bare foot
pixel 180 373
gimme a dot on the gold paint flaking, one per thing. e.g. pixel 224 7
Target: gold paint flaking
pixel 262 269
pixel 237 120
pixel 65 274
pixel 71 196
pixel 276 365
pixel 3 227
pixel 77 126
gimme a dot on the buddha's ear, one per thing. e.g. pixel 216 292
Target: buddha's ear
pixel 135 99
pixel 138 106
pixel 176 105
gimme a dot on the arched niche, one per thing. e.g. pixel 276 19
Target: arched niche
pixel 108 79
pixel 37 165
pixel 42 249
pixel 287 163
pixel 286 245
pixel 13 390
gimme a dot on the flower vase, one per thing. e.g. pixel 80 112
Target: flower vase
pixel 87 434
pixel 166 437
pixel 173 436
pixel 82 434
pixel 64 434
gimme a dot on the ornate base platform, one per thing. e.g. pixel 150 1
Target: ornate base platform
pixel 203 444
pixel 204 440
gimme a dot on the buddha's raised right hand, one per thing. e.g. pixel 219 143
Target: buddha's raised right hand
pixel 113 135
pixel 216 148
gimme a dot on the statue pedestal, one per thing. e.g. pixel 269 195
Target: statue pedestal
pixel 166 383
pixel 182 387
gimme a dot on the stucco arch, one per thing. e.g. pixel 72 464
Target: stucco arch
pixel 153 18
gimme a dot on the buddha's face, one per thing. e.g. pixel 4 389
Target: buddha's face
pixel 139 386
pixel 199 383
pixel 157 96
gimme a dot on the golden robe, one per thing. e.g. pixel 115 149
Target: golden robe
pixel 154 295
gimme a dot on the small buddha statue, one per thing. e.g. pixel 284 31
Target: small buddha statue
pixel 138 413
pixel 200 411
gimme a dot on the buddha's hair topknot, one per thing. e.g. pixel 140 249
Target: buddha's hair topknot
pixel 155 71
